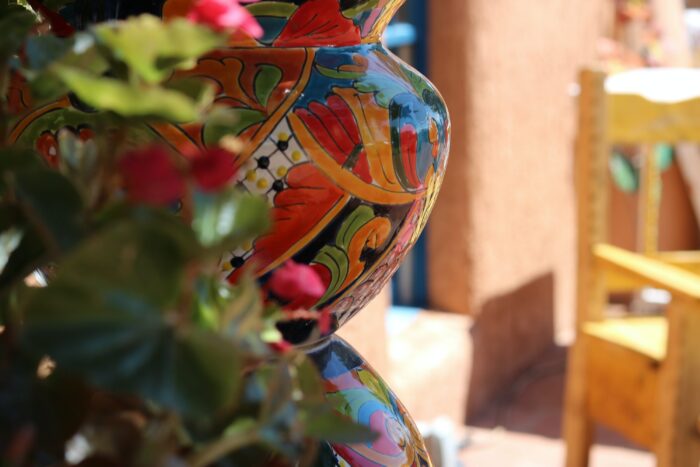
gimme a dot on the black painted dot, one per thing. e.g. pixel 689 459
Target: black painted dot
pixel 282 145
pixel 237 261
pixel 278 185
pixel 264 162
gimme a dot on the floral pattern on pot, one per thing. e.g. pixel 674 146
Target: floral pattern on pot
pixel 348 145
pixel 356 391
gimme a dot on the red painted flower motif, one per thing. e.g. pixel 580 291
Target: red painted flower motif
pixel 297 284
pixel 150 176
pixel 47 146
pixel 318 23
pixel 213 168
pixel 335 128
pixel 47 143
pixel 409 154
pixel 225 14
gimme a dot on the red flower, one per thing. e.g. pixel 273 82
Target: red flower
pixel 335 128
pixel 297 284
pixel 317 23
pixel 213 168
pixel 225 14
pixel 150 176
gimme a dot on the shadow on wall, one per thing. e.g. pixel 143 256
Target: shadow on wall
pixel 511 333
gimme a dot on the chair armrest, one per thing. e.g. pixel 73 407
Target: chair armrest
pixel 687 260
pixel 647 271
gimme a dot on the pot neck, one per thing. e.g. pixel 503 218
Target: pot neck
pixel 287 23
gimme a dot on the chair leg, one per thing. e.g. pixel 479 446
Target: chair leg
pixel 578 427
pixel 679 409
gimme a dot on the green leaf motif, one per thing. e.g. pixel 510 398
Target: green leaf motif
pixel 337 262
pixel 238 121
pixel 153 48
pixel 338 74
pixel 273 9
pixel 352 224
pixel 363 6
pixel 129 100
pixel 266 80
pixel 335 257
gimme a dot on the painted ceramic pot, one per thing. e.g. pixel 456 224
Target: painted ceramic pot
pixel 349 146
pixel 358 392
pixel 347 143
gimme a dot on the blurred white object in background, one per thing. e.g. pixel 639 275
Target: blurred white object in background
pixel 443 442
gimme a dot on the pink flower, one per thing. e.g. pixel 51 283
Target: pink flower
pixel 151 177
pixel 297 284
pixel 280 347
pixel 213 168
pixel 324 321
pixel 225 14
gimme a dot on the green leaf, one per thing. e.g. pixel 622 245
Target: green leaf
pixel 129 100
pixel 51 205
pixel 223 220
pixel 16 23
pixel 242 314
pixel 624 174
pixel 230 122
pixel 266 80
pixel 323 424
pixel 105 317
pixel 153 48
pixel 24 257
pixel 9 241
pixel 200 91
pixel 15 159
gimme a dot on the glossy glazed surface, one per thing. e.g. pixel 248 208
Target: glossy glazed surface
pixel 348 144
pixel 357 391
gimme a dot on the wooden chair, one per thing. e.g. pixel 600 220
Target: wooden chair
pixel 639 375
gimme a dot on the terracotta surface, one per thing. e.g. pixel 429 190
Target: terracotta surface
pixel 522 427
pixel 504 222
pixel 366 332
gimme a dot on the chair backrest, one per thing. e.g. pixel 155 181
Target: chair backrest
pixel 640 107
pixel 591 172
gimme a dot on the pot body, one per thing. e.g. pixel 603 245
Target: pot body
pixel 346 142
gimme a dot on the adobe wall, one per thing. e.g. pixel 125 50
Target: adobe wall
pixel 501 239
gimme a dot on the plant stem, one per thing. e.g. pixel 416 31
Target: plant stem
pixel 220 448
pixel 4 85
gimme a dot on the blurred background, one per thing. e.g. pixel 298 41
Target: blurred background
pixel 474 332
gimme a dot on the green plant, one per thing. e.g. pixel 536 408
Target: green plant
pixel 134 351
